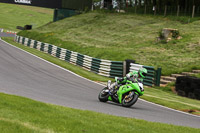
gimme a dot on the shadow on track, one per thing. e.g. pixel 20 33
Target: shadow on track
pixel 119 105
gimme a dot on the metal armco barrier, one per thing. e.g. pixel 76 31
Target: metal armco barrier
pixel 153 76
pixel 99 66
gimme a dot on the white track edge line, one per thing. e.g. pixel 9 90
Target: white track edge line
pixel 96 82
pixel 169 108
pixel 52 63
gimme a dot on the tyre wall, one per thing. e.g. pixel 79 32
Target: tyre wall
pixel 188 87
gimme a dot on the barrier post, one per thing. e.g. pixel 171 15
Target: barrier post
pixel 193 11
pixel 158 75
pixel 128 65
pixel 124 68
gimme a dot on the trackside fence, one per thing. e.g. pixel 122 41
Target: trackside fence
pixel 99 66
pixel 102 67
pixel 153 75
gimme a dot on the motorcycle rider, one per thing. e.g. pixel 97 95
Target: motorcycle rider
pixel 140 75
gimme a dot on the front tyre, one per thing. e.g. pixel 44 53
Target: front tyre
pixel 103 95
pixel 129 99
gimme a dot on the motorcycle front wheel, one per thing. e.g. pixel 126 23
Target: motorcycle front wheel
pixel 129 99
pixel 103 95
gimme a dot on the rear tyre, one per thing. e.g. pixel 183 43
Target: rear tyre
pixel 103 96
pixel 129 101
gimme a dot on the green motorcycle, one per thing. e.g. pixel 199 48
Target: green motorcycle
pixel 126 94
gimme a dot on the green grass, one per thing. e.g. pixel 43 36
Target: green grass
pixel 160 95
pixel 167 97
pixel 18 114
pixel 17 15
pixel 171 100
pixel 116 36
pixel 197 75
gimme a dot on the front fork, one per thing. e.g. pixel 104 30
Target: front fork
pixel 108 84
pixel 130 94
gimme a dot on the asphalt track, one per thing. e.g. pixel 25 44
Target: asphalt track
pixel 2 34
pixel 25 75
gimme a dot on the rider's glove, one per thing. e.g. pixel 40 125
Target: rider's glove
pixel 121 79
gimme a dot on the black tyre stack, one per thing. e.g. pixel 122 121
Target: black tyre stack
pixel 188 87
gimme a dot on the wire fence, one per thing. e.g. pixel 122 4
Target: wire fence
pixel 166 10
pixel 192 11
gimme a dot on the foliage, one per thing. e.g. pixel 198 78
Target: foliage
pixel 160 7
pixel 175 34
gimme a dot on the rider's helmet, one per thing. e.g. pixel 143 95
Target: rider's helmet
pixel 142 72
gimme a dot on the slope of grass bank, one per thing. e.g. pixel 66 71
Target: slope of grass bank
pixel 161 95
pixel 17 15
pixel 18 114
pixel 116 36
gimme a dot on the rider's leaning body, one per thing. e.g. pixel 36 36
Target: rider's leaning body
pixel 137 75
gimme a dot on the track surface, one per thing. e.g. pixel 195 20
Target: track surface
pixel 2 34
pixel 25 75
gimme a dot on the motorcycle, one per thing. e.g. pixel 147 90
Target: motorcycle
pixel 126 94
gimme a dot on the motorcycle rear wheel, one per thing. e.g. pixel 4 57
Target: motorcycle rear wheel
pixel 127 102
pixel 103 96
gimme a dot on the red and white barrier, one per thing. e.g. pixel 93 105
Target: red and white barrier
pixel 11 32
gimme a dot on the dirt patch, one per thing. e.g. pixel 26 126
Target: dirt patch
pixel 173 90
pixel 192 111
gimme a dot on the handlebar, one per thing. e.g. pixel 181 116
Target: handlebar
pixel 135 80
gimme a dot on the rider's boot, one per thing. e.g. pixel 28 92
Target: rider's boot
pixel 112 87
pixel 108 84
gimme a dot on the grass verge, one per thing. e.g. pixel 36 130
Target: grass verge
pixel 197 75
pixel 172 100
pixel 19 15
pixel 18 114
pixel 160 95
